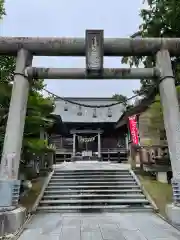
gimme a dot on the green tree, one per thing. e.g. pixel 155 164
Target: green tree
pixel 2 10
pixel 160 19
pixel 120 98
pixel 156 122
pixel 39 107
pixel 6 70
pixel 38 116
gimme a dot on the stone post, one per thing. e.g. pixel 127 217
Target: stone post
pixel 42 156
pixel 143 157
pixel 74 144
pixel 11 154
pixel 99 145
pixel 51 160
pixel 132 156
pixel 171 114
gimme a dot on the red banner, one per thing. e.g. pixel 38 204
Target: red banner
pixel 134 129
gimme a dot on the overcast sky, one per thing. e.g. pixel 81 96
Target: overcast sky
pixel 70 18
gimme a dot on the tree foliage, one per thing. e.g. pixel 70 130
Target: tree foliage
pixel 156 122
pixel 120 98
pixel 2 10
pixel 160 19
pixel 39 107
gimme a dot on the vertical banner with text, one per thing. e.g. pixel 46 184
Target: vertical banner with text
pixel 134 129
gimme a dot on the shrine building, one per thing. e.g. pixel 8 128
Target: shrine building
pixel 89 132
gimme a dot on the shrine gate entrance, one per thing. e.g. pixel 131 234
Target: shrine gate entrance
pixel 94 47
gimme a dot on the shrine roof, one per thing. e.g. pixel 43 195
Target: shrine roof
pixel 138 109
pixel 70 112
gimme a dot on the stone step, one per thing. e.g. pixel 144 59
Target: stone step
pixel 90 176
pixel 92 179
pixel 99 191
pixel 94 209
pixel 97 208
pixel 129 186
pixel 91 170
pixel 89 196
pixel 92 202
pixel 75 183
pixel 84 172
pixel 67 173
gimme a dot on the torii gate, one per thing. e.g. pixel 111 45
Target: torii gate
pixel 94 47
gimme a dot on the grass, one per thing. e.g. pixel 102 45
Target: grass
pixel 161 193
pixel 29 200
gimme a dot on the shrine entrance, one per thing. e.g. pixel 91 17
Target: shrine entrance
pixel 94 47
pixel 87 146
pixel 87 143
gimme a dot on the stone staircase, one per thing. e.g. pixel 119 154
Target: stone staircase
pixel 93 191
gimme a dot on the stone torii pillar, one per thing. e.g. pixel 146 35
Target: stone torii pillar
pixel 74 144
pixel 171 114
pixel 16 119
pixel 99 143
pixel 9 183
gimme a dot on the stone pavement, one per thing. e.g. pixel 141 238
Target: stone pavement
pixel 104 226
pixel 98 226
pixel 91 165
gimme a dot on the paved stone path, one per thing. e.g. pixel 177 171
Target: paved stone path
pixel 105 226
pixel 91 165
pixel 100 226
